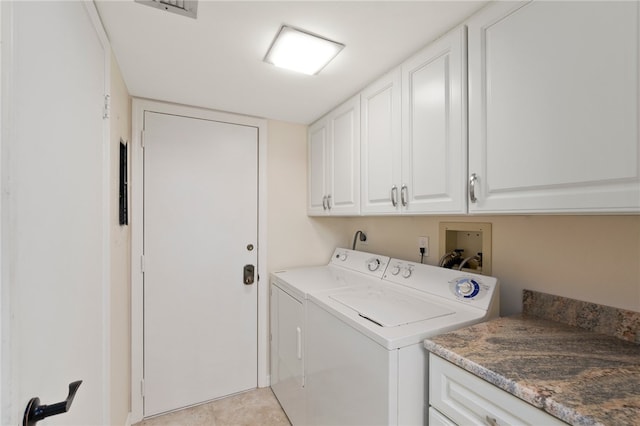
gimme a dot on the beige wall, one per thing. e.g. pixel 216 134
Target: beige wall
pixel 592 258
pixel 293 239
pixel 120 258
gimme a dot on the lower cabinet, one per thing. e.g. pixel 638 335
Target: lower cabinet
pixel 287 374
pixel 458 397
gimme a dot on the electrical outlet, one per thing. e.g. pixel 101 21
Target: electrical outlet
pixel 365 242
pixel 423 242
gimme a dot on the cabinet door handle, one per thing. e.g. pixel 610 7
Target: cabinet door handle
pixel 299 335
pixel 394 196
pixel 324 202
pixel 491 421
pixel 404 195
pixel 329 202
pixel 472 187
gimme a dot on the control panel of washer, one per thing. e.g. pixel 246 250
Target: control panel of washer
pixel 473 289
pixel 404 270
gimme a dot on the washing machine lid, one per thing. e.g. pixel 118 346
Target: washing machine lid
pixel 389 308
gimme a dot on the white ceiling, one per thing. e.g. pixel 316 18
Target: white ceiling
pixel 215 61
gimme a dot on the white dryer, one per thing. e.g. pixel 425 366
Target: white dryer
pixel 289 292
pixel 366 363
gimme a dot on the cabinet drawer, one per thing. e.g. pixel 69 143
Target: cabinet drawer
pixel 437 419
pixel 467 399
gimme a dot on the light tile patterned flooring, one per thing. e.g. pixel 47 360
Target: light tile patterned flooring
pixel 254 407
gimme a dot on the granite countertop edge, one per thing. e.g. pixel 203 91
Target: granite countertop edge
pixel 548 405
pixel 551 355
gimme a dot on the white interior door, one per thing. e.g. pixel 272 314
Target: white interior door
pixel 55 210
pixel 200 216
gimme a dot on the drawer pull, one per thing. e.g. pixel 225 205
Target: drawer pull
pixel 491 421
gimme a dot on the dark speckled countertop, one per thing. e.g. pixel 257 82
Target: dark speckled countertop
pixel 577 375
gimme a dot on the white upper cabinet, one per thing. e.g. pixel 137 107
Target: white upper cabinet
pixel 334 162
pixel 434 131
pixel 317 173
pixel 414 134
pixel 553 107
pixel 381 145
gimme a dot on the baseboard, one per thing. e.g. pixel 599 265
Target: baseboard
pixel 266 383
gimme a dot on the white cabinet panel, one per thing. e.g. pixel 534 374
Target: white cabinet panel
pixel 553 107
pixel 414 134
pixel 334 162
pixel 434 127
pixel 345 158
pixel 317 167
pixel 468 400
pixel 381 148
pixel 287 346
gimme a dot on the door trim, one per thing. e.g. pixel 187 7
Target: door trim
pixel 139 107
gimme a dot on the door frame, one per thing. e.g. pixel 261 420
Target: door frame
pixel 139 107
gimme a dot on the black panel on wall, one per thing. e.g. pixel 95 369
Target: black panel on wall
pixel 123 198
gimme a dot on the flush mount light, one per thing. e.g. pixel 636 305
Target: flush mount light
pixel 301 51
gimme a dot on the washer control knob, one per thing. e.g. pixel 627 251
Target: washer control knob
pixel 406 273
pixel 395 270
pixel 342 256
pixel 373 264
pixel 467 288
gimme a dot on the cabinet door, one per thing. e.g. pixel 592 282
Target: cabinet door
pixel 434 138
pixel 287 379
pixel 553 107
pixel 469 400
pixel 317 177
pixel 343 166
pixel 381 149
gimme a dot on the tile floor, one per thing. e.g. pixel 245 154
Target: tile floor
pixel 254 407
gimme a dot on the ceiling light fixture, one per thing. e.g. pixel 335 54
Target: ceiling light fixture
pixel 301 51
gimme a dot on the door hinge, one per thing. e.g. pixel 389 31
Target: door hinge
pixel 142 138
pixel 142 263
pixel 106 112
pixel 142 388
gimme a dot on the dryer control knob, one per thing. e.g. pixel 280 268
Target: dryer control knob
pixel 373 264
pixel 406 273
pixel 342 256
pixel 395 270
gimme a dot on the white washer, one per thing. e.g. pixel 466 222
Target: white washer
pixel 366 363
pixel 289 292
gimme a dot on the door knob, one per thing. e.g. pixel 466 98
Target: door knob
pixel 36 412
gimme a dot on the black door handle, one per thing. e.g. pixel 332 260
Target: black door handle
pixel 36 412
